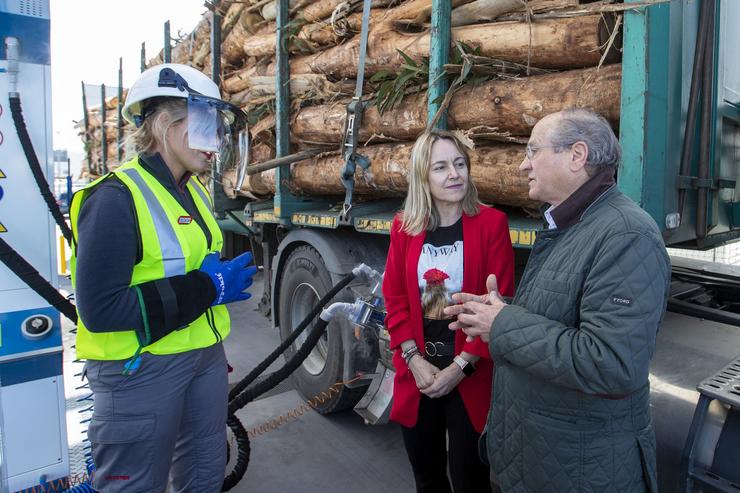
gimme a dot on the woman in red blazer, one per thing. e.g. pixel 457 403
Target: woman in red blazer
pixel 444 241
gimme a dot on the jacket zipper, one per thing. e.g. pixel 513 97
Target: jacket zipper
pixel 212 324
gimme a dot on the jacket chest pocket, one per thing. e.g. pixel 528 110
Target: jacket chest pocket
pixel 557 296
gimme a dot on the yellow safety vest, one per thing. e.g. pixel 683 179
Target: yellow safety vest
pixel 172 245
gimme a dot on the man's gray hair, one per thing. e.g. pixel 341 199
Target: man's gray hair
pixel 584 125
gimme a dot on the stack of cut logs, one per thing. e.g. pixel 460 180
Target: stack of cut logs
pixel 94 137
pixel 517 60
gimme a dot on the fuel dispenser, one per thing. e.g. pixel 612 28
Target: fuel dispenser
pixel 33 441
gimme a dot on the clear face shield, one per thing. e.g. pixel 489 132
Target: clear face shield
pixel 218 127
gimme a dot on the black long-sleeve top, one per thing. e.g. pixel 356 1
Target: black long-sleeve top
pixel 109 246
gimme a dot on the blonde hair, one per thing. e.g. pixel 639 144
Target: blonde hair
pixel 419 212
pixel 153 132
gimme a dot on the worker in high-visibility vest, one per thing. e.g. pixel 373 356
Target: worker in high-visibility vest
pixel 151 289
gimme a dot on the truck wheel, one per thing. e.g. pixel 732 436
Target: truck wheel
pixel 304 281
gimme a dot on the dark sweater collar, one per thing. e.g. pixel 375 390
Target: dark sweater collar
pixel 154 164
pixel 571 210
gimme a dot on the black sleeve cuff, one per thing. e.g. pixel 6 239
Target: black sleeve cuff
pixel 174 302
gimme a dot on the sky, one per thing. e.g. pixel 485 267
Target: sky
pixel 87 39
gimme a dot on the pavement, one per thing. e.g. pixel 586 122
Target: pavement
pixel 307 452
pixel 311 453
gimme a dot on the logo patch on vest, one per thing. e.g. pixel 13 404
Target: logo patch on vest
pixel 621 301
pixel 184 220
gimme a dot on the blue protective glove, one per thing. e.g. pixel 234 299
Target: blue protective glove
pixel 230 277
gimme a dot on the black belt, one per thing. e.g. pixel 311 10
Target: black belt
pixel 438 348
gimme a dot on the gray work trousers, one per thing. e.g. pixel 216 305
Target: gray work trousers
pixel 167 418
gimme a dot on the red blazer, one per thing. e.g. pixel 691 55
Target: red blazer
pixel 487 250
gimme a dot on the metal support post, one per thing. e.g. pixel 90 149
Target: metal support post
pixel 221 203
pixel 167 44
pixel 86 118
pixel 282 103
pixel 439 52
pixel 142 63
pixel 686 482
pixel 119 139
pixel 645 160
pixel 103 141
pixel 216 47
pixel 282 88
pixel 68 182
pixel 707 118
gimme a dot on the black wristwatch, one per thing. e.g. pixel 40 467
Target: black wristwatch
pixel 466 366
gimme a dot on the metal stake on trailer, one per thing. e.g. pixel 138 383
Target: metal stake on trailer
pixel 439 52
pixel 119 140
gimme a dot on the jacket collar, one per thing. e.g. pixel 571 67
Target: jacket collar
pixel 572 209
pixel 154 164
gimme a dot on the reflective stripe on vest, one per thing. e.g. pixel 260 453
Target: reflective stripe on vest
pixel 172 256
pixel 201 191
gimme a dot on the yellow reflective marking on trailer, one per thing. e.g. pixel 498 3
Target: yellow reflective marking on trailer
pixel 3 175
pixel 314 220
pixel 3 229
pixel 377 225
pixel 522 237
pixel 264 216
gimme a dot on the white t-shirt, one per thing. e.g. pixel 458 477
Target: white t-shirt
pixel 443 250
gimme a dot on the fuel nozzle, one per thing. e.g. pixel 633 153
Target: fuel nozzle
pixel 369 311
pixel 11 53
pixel 365 311
pixel 371 276
pixel 349 310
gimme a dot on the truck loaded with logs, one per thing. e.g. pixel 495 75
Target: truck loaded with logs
pixel 326 81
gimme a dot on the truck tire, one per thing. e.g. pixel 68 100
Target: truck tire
pixel 304 281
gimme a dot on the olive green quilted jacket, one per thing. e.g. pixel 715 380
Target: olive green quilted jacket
pixel 570 406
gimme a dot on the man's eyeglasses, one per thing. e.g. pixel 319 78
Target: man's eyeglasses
pixel 532 150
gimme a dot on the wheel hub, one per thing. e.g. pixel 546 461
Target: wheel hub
pixel 303 300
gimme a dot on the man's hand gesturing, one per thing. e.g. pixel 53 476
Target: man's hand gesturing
pixel 475 314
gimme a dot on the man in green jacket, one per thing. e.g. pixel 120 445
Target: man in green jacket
pixel 570 408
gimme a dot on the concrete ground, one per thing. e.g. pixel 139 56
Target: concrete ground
pixel 311 453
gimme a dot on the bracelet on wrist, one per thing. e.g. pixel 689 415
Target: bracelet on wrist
pixel 410 353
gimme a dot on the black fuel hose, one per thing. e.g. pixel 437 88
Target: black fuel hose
pixel 33 162
pixel 257 371
pixel 28 274
pixel 238 398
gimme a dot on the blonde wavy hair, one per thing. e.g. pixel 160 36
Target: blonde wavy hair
pixel 153 132
pixel 419 212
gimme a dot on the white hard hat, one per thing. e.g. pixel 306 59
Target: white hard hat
pixel 166 80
